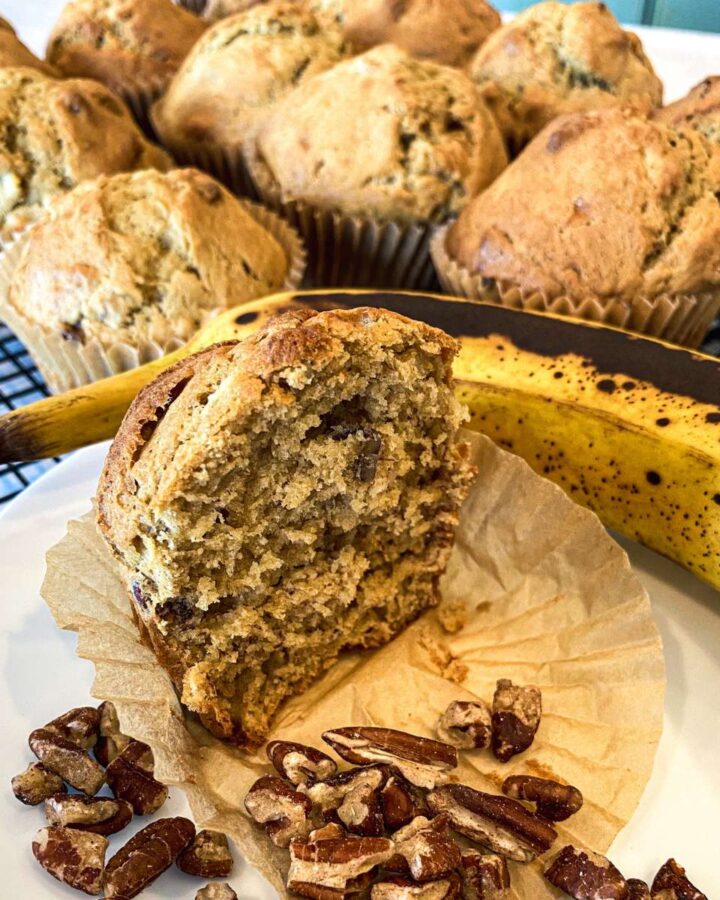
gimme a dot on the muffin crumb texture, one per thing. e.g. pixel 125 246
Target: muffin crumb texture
pixel 700 109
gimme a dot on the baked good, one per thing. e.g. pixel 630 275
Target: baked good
pixel 143 258
pixel 220 9
pixel 14 53
pixel 55 134
pixel 606 206
pixel 381 135
pixel 555 58
pixel 445 31
pixel 276 501
pixel 126 44
pixel 699 109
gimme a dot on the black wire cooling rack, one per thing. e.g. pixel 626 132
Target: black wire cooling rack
pixel 21 383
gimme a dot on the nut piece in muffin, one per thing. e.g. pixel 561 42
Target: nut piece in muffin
pixel 603 205
pixel 128 45
pixel 275 501
pixel 140 258
pixel 555 58
pixel 14 53
pixel 444 31
pixel 382 135
pixel 239 69
pixel 699 109
pixel 55 134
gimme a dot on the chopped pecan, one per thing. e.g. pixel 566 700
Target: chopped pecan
pixel 637 890
pixel 341 864
pixel 428 849
pixel 585 875
pixel 216 892
pixel 485 876
pixel 207 857
pixel 515 718
pixel 300 764
pixel 422 761
pixel 466 724
pixel 146 856
pixel 398 888
pixel 76 858
pixel 671 883
pixel 111 741
pixel 553 801
pixel 327 832
pixel 284 812
pixel 77 725
pixel 401 803
pixel 101 815
pixel 68 760
pixel 502 824
pixel 36 784
pixel 352 799
pixel 130 776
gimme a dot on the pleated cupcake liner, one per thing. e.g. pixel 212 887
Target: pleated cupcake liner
pixel 140 98
pixel 681 319
pixel 193 6
pixel 67 364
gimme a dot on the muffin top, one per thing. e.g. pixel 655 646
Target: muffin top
pixel 123 43
pixel 446 32
pixel 382 134
pixel 14 53
pixel 54 134
pixel 700 109
pixel 555 58
pixel 241 67
pixel 144 257
pixel 220 9
pixel 600 204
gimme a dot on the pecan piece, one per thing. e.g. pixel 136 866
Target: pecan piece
pixel 502 824
pixel 398 888
pixel 515 718
pixel 466 725
pixel 637 890
pixel 216 892
pixel 427 848
pixel 553 801
pixel 36 784
pixel 422 761
pixel 101 815
pixel 340 865
pixel 353 800
pixel 130 776
pixel 671 883
pixel 401 803
pixel 207 857
pixel 585 875
pixel 300 764
pixel 146 856
pixel 485 876
pixel 76 858
pixel 80 726
pixel 68 760
pixel 111 741
pixel 327 832
pixel 284 812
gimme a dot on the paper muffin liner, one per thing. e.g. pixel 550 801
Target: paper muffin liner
pixel 194 6
pixel 140 98
pixel 548 598
pixel 67 364
pixel 680 319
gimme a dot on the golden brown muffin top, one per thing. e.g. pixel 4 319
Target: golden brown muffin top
pixel 143 257
pixel 126 44
pixel 240 68
pixel 555 58
pixel 699 109
pixel 55 134
pixel 382 134
pixel 14 53
pixel 600 204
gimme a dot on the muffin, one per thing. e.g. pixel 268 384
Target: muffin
pixel 276 501
pixel 381 139
pixel 212 10
pixel 605 215
pixel 55 134
pixel 700 109
pixel 132 46
pixel 14 53
pixel 555 58
pixel 444 31
pixel 234 75
pixel 127 267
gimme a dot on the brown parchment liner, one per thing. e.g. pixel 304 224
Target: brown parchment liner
pixel 681 319
pixel 549 598
pixel 69 364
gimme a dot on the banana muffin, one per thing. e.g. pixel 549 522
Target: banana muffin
pixel 605 206
pixel 445 31
pixel 14 53
pixel 556 58
pixel 220 9
pixel 700 109
pixel 55 134
pixel 276 501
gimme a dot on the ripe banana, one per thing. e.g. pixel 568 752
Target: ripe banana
pixel 627 426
